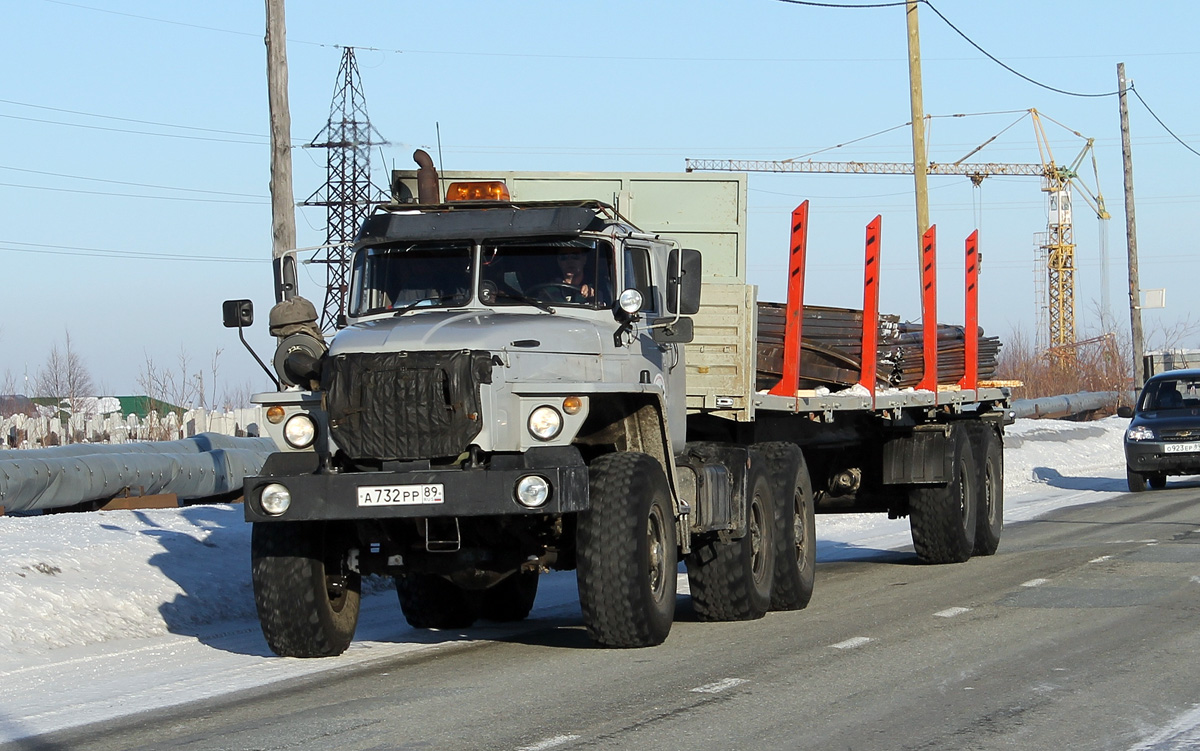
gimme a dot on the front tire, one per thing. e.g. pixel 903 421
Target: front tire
pixel 1135 480
pixel 731 581
pixel 627 555
pixel 942 517
pixel 307 599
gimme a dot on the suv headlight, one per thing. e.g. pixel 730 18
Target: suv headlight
pixel 1139 433
pixel 545 423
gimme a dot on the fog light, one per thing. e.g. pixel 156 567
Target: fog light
pixel 545 423
pixel 299 431
pixel 532 491
pixel 275 499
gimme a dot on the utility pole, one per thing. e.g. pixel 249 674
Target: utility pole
pixel 920 159
pixel 1135 290
pixel 283 212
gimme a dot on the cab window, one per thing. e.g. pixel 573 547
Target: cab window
pixel 396 276
pixel 638 275
pixel 576 271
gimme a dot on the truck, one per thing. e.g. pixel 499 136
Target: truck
pixel 481 416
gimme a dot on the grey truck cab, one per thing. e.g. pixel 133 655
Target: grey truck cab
pixel 506 397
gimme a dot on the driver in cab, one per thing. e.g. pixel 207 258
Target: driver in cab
pixel 571 285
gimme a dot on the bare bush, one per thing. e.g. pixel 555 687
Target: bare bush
pixel 1097 363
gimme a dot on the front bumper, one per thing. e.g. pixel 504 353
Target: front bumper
pixel 468 492
pixel 1152 456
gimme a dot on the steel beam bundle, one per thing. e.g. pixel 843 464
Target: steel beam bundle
pixel 831 349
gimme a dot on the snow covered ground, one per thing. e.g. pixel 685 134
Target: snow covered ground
pixel 111 613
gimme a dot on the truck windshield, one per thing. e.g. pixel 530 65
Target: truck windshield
pixel 407 275
pixel 577 271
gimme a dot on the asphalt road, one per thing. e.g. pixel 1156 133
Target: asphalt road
pixel 1082 632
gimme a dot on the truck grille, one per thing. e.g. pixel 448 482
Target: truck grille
pixel 405 405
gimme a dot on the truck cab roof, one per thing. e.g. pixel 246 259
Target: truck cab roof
pixel 488 219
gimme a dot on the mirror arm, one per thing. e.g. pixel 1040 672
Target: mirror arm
pixel 263 365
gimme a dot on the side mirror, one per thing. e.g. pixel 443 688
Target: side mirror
pixel 1124 411
pixel 683 281
pixel 237 313
pixel 670 331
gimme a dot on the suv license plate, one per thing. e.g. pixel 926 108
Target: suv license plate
pixel 1181 448
pixel 401 495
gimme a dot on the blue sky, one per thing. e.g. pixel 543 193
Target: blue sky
pixel 134 176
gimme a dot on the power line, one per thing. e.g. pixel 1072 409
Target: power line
pixel 467 53
pixel 1004 65
pixel 136 185
pixel 73 250
pixel 130 195
pixel 1160 122
pixel 135 132
pixel 958 31
pixel 130 119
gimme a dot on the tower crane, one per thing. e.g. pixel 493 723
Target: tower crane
pixel 1057 182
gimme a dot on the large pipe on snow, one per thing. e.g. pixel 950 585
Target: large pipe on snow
pixel 427 178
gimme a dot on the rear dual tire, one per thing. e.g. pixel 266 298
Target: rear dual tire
pixel 943 517
pixel 795 526
pixel 731 580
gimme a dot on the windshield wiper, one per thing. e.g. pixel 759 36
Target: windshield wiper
pixel 539 304
pixel 436 299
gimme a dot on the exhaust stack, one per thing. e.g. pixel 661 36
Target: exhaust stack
pixel 427 178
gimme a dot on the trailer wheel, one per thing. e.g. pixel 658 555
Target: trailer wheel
pixel 942 517
pixel 627 555
pixel 429 601
pixel 1136 480
pixel 795 527
pixel 989 522
pixel 511 599
pixel 731 581
pixel 1158 481
pixel 307 600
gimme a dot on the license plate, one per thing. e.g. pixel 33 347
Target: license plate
pixel 1181 448
pixel 401 495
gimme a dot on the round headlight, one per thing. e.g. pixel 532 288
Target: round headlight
pixel 545 423
pixel 299 431
pixel 630 301
pixel 275 499
pixel 532 491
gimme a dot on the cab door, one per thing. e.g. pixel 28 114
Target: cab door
pixel 645 269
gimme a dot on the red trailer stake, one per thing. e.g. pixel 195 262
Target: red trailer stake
pixel 970 379
pixel 929 380
pixel 870 331
pixel 789 384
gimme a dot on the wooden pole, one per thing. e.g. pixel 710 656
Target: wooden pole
pixel 1135 292
pixel 283 212
pixel 920 159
